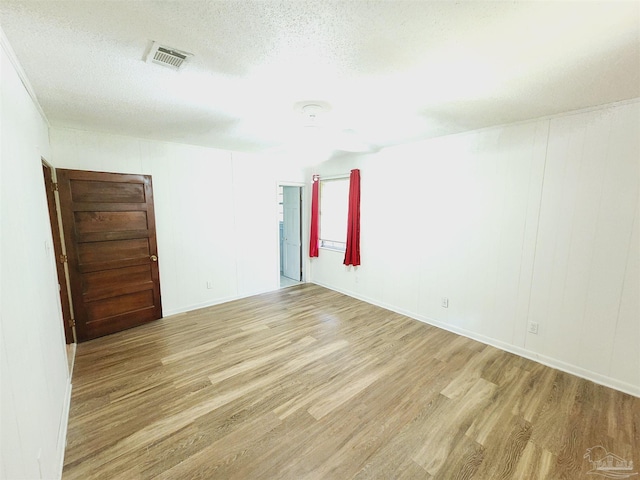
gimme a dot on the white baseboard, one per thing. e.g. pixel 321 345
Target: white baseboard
pixel 211 303
pixel 62 429
pixel 522 352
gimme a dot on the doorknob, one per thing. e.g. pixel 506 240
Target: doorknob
pixel 153 258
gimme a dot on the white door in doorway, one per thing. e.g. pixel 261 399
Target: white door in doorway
pixel 292 245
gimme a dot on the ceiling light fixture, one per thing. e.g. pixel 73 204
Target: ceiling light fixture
pixel 312 112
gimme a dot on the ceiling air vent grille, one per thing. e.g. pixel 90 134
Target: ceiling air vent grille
pixel 167 56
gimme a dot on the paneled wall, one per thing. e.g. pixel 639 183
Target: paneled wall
pixel 585 280
pixel 35 386
pixel 535 222
pixel 216 212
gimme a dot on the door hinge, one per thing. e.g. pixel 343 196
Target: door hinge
pixel 63 259
pixel 72 322
pixel 54 187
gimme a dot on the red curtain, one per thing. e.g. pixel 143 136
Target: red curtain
pixel 352 255
pixel 315 197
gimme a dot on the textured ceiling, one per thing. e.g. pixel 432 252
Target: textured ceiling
pixel 391 71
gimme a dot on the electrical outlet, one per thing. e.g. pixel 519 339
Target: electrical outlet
pixel 209 284
pixel 533 327
pixel 445 302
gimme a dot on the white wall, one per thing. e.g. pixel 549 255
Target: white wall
pixel 216 219
pixel 34 377
pixel 530 222
pixel 216 212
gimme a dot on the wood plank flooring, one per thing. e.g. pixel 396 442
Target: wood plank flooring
pixel 306 383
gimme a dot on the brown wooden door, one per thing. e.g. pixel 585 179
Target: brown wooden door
pixel 57 248
pixel 110 235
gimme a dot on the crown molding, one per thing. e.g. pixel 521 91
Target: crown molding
pixel 6 46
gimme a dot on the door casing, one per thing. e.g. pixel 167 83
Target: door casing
pixel 60 257
pixel 292 247
pixel 304 222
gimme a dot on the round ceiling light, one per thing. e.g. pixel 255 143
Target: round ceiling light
pixel 311 111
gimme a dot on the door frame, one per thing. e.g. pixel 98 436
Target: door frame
pixel 59 249
pixel 304 236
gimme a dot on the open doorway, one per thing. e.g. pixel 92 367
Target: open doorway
pixel 290 228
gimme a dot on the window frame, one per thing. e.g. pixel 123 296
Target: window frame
pixel 328 243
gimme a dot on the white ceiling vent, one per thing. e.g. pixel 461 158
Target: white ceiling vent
pixel 167 56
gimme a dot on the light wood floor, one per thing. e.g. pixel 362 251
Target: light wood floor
pixel 305 383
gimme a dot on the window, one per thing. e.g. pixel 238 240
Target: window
pixel 334 208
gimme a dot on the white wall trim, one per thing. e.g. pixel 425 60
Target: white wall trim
pixel 62 429
pixel 580 111
pixel 522 352
pixel 6 46
pixel 218 301
pixel 142 139
pixel 544 118
pixel 290 184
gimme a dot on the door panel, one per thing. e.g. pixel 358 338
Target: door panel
pixel 109 229
pixel 88 191
pixel 101 222
pixel 111 306
pixel 292 234
pixel 113 250
pixel 95 282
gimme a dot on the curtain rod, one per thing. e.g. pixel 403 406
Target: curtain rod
pixel 335 177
